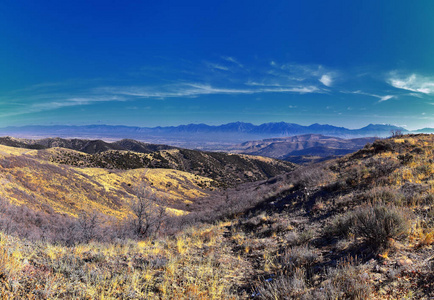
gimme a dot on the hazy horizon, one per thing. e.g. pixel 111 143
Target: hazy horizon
pixel 151 64
pixel 208 124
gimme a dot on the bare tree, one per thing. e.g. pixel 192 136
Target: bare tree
pixel 88 225
pixel 396 133
pixel 161 218
pixel 148 215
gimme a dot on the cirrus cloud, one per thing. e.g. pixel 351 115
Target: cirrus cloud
pixel 414 83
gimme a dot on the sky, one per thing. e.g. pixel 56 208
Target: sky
pixel 164 63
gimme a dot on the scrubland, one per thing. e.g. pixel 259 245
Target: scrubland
pixel 359 227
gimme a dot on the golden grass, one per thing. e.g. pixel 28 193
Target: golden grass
pixel 188 266
pixel 9 151
pixel 40 184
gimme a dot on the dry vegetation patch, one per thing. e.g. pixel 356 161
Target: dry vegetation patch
pixel 190 265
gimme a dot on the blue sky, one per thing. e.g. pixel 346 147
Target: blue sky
pixel 150 63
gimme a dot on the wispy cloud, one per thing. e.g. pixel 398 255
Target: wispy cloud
pixel 303 73
pixel 227 63
pixel 232 80
pixel 47 102
pixel 198 89
pixel 75 101
pixel 217 66
pixel 415 83
pixel 382 98
pixel 267 84
pixel 385 98
pixel 226 76
pixel 232 60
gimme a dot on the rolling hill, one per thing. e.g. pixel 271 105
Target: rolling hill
pixel 296 147
pixel 82 145
pixel 43 176
pixel 27 179
pixel 225 169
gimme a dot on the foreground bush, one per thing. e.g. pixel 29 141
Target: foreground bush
pixel 377 225
pixel 283 287
pixel 346 281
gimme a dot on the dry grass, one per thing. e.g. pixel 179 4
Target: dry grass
pixel 41 185
pixel 192 265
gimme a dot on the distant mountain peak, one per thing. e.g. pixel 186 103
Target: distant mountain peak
pixel 197 135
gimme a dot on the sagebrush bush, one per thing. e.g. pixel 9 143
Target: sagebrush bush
pixel 383 194
pixel 347 281
pixel 305 237
pixel 379 224
pixel 283 287
pixel 299 257
pixel 341 226
pixel 310 176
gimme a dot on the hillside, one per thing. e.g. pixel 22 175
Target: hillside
pixel 83 145
pixel 225 169
pixel 27 179
pixel 296 147
pixel 358 227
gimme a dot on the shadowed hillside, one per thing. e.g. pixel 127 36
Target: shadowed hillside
pixel 225 169
pixel 82 145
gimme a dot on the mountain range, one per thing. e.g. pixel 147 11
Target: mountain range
pixel 201 136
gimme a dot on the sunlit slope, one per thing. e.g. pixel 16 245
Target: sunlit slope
pixel 8 151
pixel 27 178
pixel 226 169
